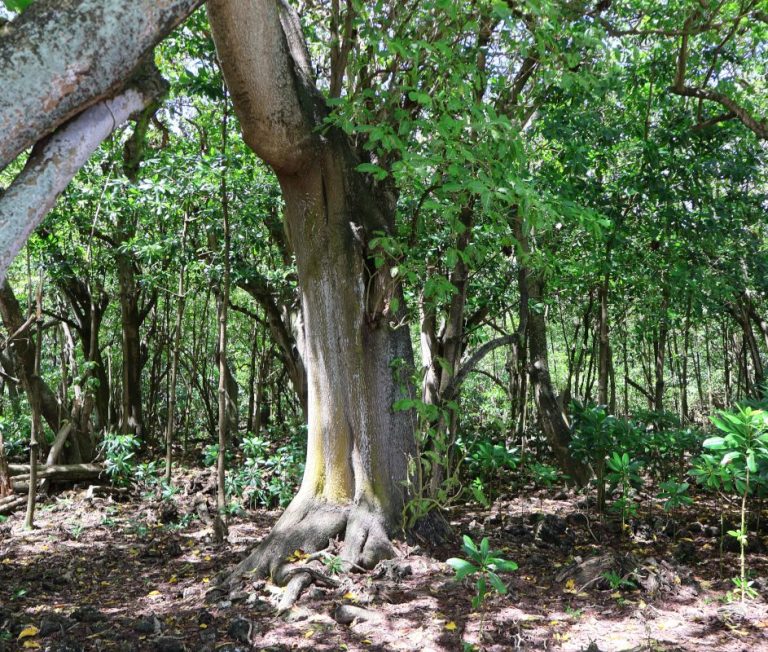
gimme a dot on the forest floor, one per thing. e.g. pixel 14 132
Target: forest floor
pixel 131 573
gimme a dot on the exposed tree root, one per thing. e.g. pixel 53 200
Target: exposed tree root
pixel 308 525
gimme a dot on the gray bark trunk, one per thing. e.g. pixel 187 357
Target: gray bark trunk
pixel 357 446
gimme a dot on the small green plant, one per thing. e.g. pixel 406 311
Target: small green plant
pixel 478 492
pixel 18 594
pixel 674 494
pixel 743 589
pixel 543 475
pixel 618 582
pixel 742 450
pixel 485 565
pixel 76 531
pixel 333 564
pixel 168 490
pixel 119 451
pixel 624 474
pixel 147 474
pixel 574 613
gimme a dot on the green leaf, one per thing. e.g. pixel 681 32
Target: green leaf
pixel 462 567
pixel 751 463
pixel 17 6
pixel 502 565
pixel 375 171
pixel 469 545
pixel 497 583
pixel 714 442
pixel 729 457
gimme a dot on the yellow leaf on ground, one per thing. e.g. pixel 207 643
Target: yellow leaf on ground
pixel 29 630
pixel 206 580
pixel 152 594
pixel 297 555
pixel 350 596
pixel 570 586
pixel 451 626
pixel 31 644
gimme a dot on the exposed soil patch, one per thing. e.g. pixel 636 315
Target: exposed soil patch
pixel 121 573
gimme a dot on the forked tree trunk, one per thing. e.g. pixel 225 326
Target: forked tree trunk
pixel 357 447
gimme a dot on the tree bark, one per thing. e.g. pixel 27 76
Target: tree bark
pixel 176 352
pixel 533 324
pixel 659 349
pixel 55 160
pixel 62 56
pixel 358 447
pixel 24 358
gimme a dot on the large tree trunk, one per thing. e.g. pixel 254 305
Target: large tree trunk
pixel 358 447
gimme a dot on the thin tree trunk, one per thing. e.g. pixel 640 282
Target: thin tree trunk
pixel 223 304
pixel 659 349
pixel 176 352
pixel 604 350
pixel 533 324
pixel 36 431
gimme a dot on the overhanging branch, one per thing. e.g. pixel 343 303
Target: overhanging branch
pixel 53 163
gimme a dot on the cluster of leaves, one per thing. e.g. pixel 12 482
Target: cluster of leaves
pixel 268 475
pixel 484 565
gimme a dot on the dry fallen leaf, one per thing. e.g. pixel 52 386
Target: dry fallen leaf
pixel 29 630
pixel 451 626
pixel 297 555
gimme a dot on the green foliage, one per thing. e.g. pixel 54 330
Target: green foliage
pixel 623 474
pixel 268 476
pixel 543 475
pixel 17 6
pixel 333 564
pixel 485 566
pixel 15 429
pixel 674 494
pixel 477 487
pixel 119 457
pixel 617 582
pixel 737 463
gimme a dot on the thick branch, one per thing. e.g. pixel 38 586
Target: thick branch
pixel 473 360
pixel 759 127
pixel 62 56
pixel 52 165
pixel 267 71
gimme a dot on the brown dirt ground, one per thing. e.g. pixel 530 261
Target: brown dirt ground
pixel 108 574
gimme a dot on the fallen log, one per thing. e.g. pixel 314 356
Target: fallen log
pixel 11 503
pixel 59 471
pixel 53 473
